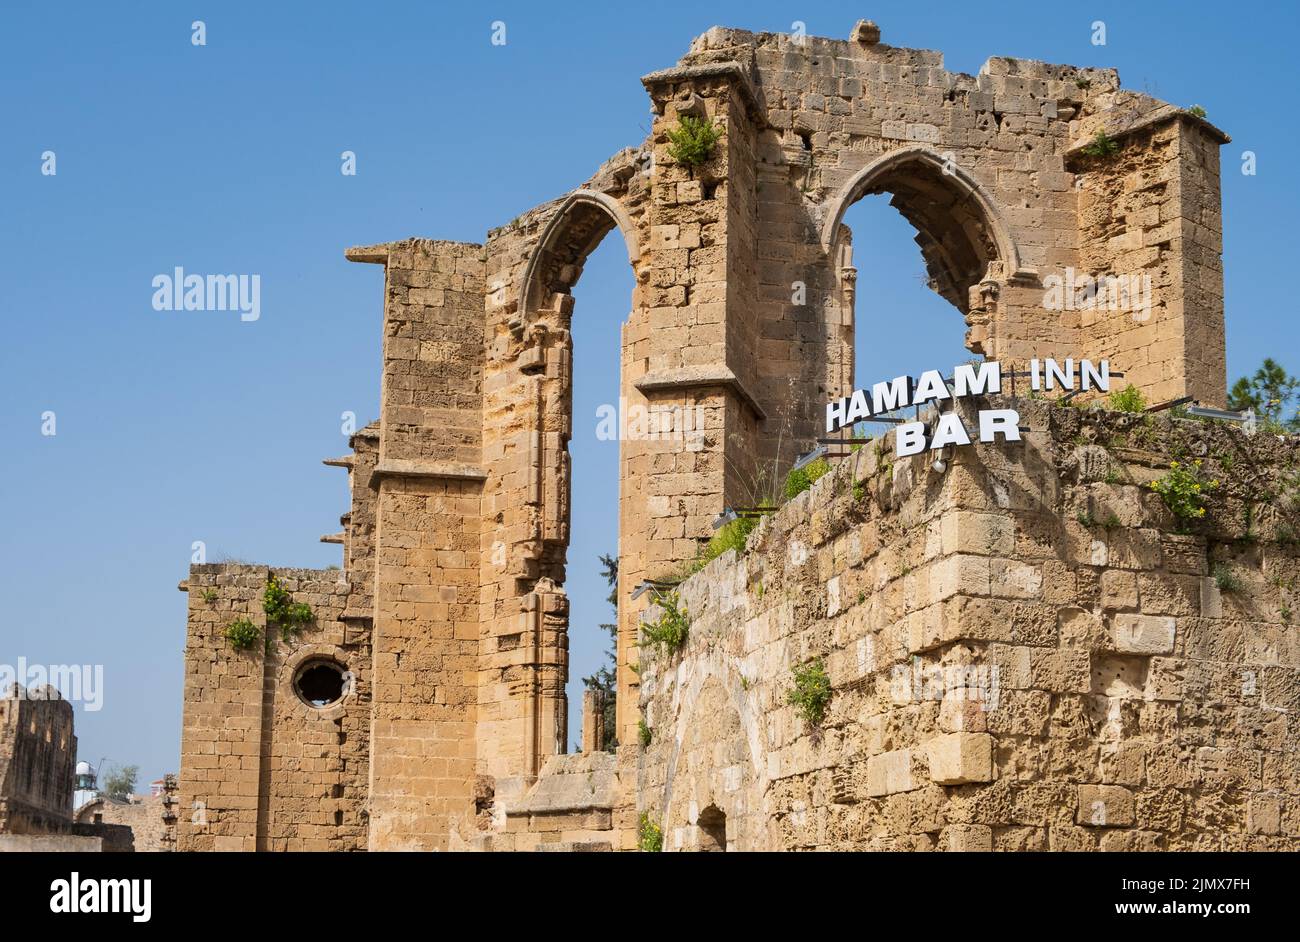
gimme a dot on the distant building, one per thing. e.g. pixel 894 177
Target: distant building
pixel 37 752
pixel 151 818
pixel 50 802
pixel 86 789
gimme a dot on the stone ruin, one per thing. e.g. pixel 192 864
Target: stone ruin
pixel 424 707
pixel 38 754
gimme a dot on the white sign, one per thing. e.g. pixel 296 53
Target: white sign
pixel 968 379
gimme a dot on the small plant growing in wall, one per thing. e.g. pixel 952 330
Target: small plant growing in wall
pixel 1183 490
pixel 1128 399
pixel 692 141
pixel 282 611
pixel 800 479
pixel 1226 579
pixel 643 733
pixel 1196 111
pixel 650 836
pixel 811 691
pixel 208 595
pixel 242 634
pixel 1101 145
pixel 668 633
pixel 733 535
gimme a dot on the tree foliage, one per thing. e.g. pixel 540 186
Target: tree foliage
pixel 1272 392
pixel 120 781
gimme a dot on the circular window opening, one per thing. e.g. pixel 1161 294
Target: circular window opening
pixel 320 683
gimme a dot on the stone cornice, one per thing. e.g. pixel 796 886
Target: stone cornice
pixel 728 70
pixel 421 468
pixel 691 377
pixel 1161 115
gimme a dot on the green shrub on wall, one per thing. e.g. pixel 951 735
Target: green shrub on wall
pixel 733 535
pixel 1183 490
pixel 692 141
pixel 669 632
pixel 282 611
pixel 650 836
pixel 1225 578
pixel 1128 399
pixel 1102 145
pixel 242 634
pixel 811 691
pixel 800 479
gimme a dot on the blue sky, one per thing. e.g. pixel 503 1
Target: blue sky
pixel 181 426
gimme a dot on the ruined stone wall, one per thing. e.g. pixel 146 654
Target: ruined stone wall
pixel 37 754
pixel 359 522
pixel 1152 211
pixel 262 769
pixel 974 162
pixel 578 803
pixel 142 816
pixel 1025 652
pixel 427 523
pixel 741 320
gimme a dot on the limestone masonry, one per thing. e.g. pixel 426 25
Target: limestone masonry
pixel 38 754
pixel 1025 649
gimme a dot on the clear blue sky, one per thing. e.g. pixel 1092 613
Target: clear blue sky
pixel 175 427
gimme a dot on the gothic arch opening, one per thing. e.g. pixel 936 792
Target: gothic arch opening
pixel 578 226
pixel 966 254
pixel 587 430
pixel 958 229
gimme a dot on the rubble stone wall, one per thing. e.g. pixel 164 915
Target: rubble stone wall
pixel 1027 651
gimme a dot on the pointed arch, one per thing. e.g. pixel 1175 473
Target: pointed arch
pixel 961 233
pixel 577 227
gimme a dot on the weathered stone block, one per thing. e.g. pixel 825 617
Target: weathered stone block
pixel 968 837
pixel 1105 806
pixel 1143 634
pixel 965 531
pixel 889 773
pixel 1264 814
pixel 958 758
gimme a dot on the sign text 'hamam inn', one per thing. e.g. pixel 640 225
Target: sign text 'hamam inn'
pixel 968 379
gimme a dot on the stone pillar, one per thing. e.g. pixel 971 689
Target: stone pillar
pixel 1151 212
pixel 689 349
pixel 523 708
pixel 429 480
pixel 593 720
